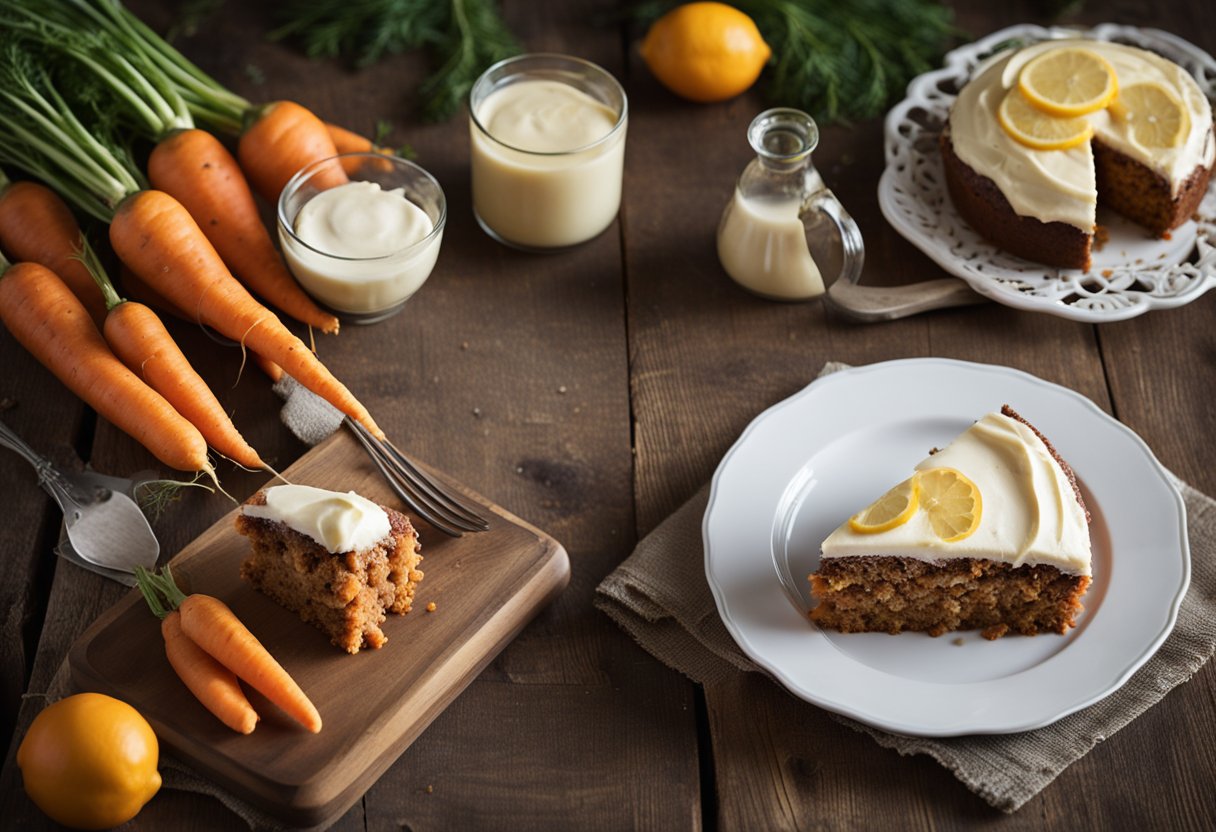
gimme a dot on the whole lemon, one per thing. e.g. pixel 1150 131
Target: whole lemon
pixel 705 51
pixel 89 761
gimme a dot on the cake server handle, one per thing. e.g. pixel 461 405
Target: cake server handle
pixel 886 303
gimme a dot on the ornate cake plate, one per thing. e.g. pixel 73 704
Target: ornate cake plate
pixel 1131 273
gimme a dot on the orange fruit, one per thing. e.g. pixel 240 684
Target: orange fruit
pixel 705 51
pixel 89 761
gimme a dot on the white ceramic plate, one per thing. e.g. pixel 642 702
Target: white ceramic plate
pixel 1131 274
pixel 806 464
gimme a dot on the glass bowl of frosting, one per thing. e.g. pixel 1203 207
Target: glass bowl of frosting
pixel 361 232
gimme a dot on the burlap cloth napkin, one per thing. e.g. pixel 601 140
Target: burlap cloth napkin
pixel 660 596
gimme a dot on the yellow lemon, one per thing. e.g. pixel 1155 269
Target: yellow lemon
pixel 1032 127
pixel 1156 116
pixel 89 761
pixel 890 510
pixel 705 51
pixel 951 501
pixel 1068 82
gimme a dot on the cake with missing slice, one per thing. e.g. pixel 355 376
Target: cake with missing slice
pixel 990 532
pixel 338 560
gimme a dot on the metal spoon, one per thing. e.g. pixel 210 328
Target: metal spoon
pixel 104 526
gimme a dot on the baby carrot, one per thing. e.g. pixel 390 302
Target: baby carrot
pixel 213 685
pixel 210 624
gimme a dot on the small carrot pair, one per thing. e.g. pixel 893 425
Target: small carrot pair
pixel 209 649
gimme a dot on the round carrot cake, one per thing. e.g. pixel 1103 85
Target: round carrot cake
pixel 1026 164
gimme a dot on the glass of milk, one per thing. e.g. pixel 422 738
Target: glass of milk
pixel 784 235
pixel 361 232
pixel 548 150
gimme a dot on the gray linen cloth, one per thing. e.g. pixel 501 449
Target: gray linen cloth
pixel 660 596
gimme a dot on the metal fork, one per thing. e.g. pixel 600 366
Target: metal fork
pixel 433 502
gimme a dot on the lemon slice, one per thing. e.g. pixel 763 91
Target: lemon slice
pixel 951 501
pixel 1156 116
pixel 890 510
pixel 1032 127
pixel 1068 82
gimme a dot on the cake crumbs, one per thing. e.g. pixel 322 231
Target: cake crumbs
pixel 1107 272
pixel 1101 236
pixel 431 607
pixel 430 789
pixel 562 390
pixel 464 345
pixel 958 642
pixel 477 413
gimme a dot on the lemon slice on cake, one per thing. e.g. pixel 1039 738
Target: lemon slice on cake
pixel 1030 126
pixel 1068 82
pixel 1156 116
pixel 951 501
pixel 892 509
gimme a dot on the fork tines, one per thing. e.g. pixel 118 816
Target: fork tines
pixel 432 501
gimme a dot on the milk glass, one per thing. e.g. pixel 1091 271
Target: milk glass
pixel 547 200
pixel 784 235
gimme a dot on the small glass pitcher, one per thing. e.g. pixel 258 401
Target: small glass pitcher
pixel 784 235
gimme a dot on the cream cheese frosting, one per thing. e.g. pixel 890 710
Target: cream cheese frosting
pixel 1059 185
pixel 1030 515
pixel 339 522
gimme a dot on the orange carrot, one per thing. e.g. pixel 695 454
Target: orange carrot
pixel 348 141
pixel 210 624
pixel 199 172
pixel 213 626
pixel 157 239
pixel 37 226
pixel 283 138
pixel 49 321
pixel 141 341
pixel 138 289
pixel 212 684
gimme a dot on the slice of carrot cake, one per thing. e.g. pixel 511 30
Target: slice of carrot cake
pixel 988 533
pixel 338 560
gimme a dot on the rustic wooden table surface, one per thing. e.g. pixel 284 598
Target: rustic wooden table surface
pixel 591 393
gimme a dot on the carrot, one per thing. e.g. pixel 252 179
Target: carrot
pixel 141 341
pixel 282 139
pixel 37 226
pixel 210 624
pixel 138 289
pixel 49 321
pixel 213 685
pixel 348 141
pixel 199 172
pixel 157 239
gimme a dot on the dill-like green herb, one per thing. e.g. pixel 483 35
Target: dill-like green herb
pixel 842 61
pixel 464 37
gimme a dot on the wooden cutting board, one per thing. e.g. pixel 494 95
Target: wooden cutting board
pixel 486 587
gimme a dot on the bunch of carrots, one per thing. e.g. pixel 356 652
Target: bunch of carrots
pixel 210 649
pixel 181 231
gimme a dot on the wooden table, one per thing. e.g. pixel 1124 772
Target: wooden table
pixel 592 392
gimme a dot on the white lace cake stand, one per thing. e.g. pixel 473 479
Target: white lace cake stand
pixel 1131 274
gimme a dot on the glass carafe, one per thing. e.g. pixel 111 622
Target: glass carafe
pixel 784 235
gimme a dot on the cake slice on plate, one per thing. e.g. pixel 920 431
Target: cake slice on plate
pixel 990 532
